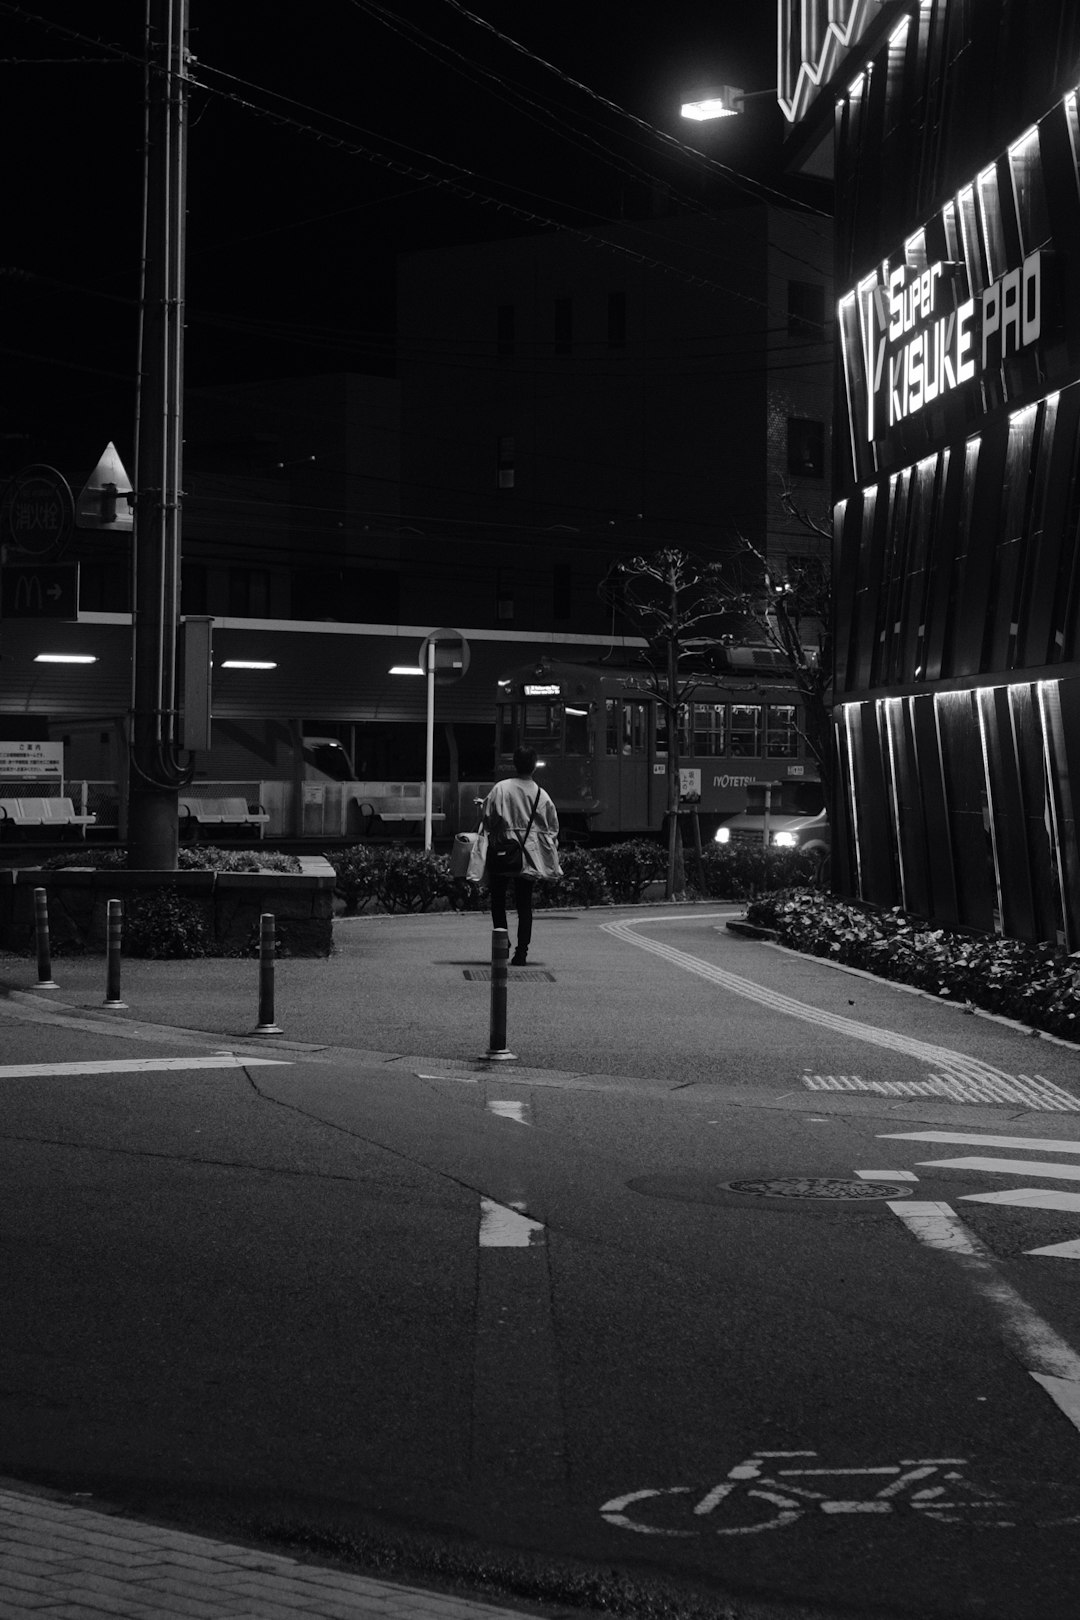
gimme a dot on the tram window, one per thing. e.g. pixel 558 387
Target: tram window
pixel 781 738
pixel 611 726
pixel 635 728
pixel 507 739
pixel 660 745
pixel 746 730
pixel 710 729
pixel 543 721
pixel 577 731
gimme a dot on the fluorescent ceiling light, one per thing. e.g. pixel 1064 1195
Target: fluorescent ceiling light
pixel 247 663
pixel 406 669
pixel 65 658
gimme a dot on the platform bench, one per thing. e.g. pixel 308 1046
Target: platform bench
pixel 196 813
pixel 37 812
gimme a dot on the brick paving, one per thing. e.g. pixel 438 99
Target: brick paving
pixel 66 1562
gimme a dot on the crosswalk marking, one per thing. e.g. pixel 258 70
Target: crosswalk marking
pixel 1038 1144
pixel 886 1175
pixel 219 1060
pixel 1008 1167
pixel 1028 1198
pixel 1062 1251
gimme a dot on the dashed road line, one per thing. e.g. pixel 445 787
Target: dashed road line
pixel 518 1111
pixel 503 1226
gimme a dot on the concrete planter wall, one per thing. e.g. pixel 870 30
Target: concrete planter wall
pixel 230 903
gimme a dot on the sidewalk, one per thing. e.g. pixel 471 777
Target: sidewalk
pixel 61 1560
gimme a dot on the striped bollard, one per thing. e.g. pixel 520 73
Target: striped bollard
pixel 45 980
pixel 112 960
pixel 498 1051
pixel 266 1025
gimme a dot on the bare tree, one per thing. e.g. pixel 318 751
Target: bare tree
pixel 788 607
pixel 666 596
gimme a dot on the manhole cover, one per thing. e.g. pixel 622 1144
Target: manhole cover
pixel 819 1187
pixel 705 1187
pixel 516 974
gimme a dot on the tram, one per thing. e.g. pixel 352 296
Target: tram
pixel 602 741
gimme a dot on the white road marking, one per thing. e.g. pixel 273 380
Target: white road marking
pixel 510 1110
pixel 1033 1091
pixel 957 1066
pixel 1039 1144
pixel 503 1227
pixel 886 1175
pixel 1008 1167
pixel 1051 1362
pixel 220 1060
pixel 1027 1198
pixel 1061 1251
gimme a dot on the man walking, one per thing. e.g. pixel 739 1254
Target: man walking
pixel 518 811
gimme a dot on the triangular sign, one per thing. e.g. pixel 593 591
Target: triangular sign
pixel 102 504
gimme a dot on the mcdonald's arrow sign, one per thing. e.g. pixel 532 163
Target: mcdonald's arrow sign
pixel 48 592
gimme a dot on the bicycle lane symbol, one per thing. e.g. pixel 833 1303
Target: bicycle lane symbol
pixel 760 1495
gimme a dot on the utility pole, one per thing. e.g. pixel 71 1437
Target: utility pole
pixel 156 773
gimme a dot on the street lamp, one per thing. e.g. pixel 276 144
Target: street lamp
pixel 725 101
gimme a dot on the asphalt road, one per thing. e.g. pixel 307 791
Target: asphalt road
pixel 515 1325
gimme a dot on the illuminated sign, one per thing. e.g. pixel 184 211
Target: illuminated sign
pixel 543 691
pixel 919 343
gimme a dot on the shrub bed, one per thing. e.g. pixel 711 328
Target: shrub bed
pixel 400 878
pixel 1037 985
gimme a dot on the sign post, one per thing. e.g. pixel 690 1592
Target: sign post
pixel 444 658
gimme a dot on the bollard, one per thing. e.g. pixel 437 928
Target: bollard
pixel 266 1025
pixel 112 960
pixel 45 980
pixel 497 1051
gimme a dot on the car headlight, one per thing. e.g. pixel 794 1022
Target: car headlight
pixel 722 835
pixel 785 840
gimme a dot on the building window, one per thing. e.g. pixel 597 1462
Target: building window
pixel 616 320
pixel 249 593
pixel 194 589
pixel 564 325
pixel 562 583
pixel 504 330
pixel 805 447
pixel 504 467
pixel 806 311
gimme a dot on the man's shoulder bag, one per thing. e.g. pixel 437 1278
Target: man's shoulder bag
pixel 506 850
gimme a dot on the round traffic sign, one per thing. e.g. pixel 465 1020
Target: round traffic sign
pixel 38 513
pixel 451 655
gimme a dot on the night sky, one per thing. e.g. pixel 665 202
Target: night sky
pixel 326 140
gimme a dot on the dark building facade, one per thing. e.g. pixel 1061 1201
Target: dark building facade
pixel 955 135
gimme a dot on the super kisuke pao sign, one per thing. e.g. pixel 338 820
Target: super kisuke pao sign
pixel 909 339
